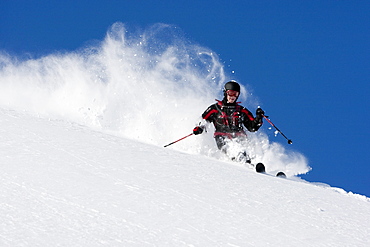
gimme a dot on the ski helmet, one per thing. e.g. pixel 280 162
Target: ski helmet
pixel 232 85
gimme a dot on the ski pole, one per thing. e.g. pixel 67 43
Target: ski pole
pixel 273 125
pixel 178 140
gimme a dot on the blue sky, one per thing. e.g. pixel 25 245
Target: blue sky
pixel 307 61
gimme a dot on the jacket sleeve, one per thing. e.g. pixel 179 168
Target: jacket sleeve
pixel 252 124
pixel 210 114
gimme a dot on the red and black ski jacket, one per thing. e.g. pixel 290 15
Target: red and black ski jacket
pixel 229 118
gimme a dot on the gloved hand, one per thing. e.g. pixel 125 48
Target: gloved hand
pixel 197 130
pixel 259 113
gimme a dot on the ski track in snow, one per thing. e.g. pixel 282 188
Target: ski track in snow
pixel 64 184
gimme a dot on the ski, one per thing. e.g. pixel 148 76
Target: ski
pixel 243 158
pixel 281 175
pixel 260 168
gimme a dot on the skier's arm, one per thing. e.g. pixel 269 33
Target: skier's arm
pixel 210 114
pixel 207 117
pixel 253 124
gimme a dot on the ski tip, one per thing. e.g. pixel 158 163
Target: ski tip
pixel 260 168
pixel 281 175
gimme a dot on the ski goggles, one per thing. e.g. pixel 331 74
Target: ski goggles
pixel 232 93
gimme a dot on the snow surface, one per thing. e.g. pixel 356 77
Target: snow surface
pixel 63 184
pixel 83 164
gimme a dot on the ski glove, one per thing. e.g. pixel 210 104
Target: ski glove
pixel 197 130
pixel 259 113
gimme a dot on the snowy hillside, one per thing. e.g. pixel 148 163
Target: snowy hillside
pixel 63 184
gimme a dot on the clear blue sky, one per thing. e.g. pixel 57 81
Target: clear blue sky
pixel 307 61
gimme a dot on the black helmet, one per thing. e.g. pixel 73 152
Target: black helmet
pixel 232 85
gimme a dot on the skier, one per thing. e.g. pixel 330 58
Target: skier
pixel 228 118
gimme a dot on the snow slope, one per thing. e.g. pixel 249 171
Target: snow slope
pixel 63 184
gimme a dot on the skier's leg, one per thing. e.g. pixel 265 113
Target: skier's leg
pixel 221 143
pixel 243 155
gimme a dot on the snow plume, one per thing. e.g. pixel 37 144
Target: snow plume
pixel 150 86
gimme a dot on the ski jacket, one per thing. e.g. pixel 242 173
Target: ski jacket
pixel 229 118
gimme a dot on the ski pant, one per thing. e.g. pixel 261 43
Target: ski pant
pixel 220 142
pixel 222 139
pixel 234 147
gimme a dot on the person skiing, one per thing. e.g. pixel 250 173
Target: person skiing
pixel 228 118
